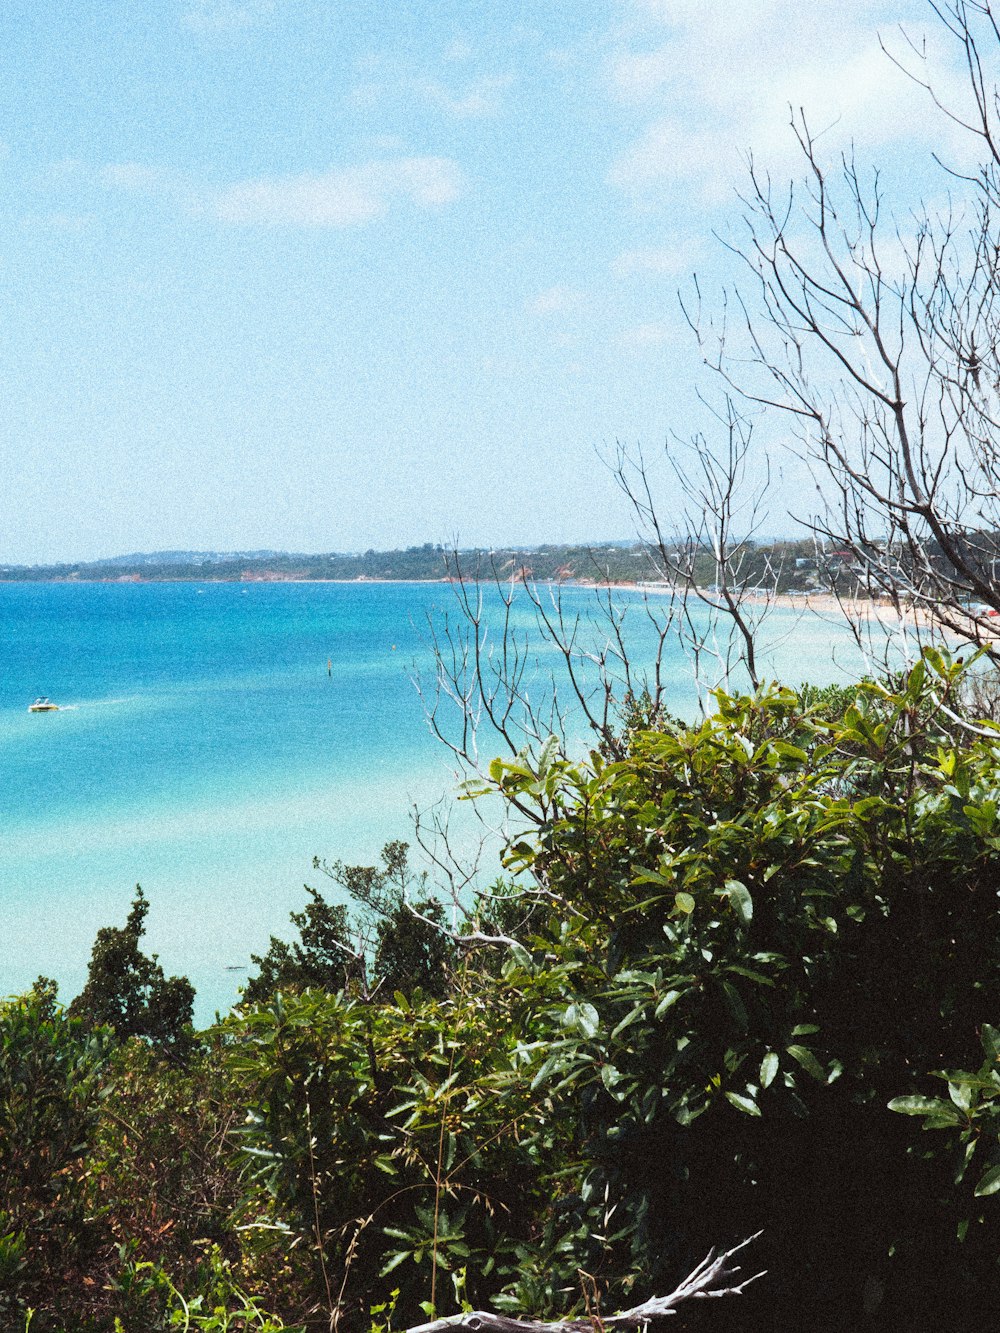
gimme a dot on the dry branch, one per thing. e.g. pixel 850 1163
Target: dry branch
pixel 713 1277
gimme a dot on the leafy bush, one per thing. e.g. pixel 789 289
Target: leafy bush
pixel 128 991
pixel 221 1306
pixel 750 944
pixel 762 941
pixel 389 1143
pixel 52 1092
pixel 376 944
pixel 163 1162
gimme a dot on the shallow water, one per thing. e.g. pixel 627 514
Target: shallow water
pixel 204 749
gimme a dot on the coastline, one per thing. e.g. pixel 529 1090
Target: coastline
pixel 819 601
pixel 822 604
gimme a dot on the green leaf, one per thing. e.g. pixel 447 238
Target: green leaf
pixel 970 1149
pixel 916 1105
pixel 399 1258
pixel 991 1042
pixel 521 956
pixel 804 1056
pixel 548 754
pixel 610 1076
pixel 989 1183
pixel 584 1017
pixel 744 1104
pixel 750 975
pixel 961 1094
pixel 768 1069
pixel 653 877
pixel 683 902
pixel 789 751
pixel 736 1005
pixel 636 1012
pixel 739 895
pixel 670 999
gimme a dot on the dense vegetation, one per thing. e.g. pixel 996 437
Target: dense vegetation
pixel 741 973
pixel 780 564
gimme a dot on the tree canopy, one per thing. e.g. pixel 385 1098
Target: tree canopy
pixel 128 990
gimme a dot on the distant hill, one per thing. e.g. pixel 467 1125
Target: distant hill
pixel 618 561
pixel 789 565
pixel 172 558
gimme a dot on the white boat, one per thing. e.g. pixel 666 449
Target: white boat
pixel 43 705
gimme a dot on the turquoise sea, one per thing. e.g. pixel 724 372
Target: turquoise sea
pixel 205 749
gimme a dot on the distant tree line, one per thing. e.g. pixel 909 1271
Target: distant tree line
pixel 773 566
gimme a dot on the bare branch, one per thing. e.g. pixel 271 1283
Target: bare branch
pixel 711 1279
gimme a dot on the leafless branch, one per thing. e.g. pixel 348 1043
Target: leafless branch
pixel 711 1279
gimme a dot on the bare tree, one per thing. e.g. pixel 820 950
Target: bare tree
pixel 521 661
pixel 714 522
pixel 876 341
pixel 880 347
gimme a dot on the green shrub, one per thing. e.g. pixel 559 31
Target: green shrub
pixel 128 992
pixel 769 925
pixel 52 1090
pixel 751 944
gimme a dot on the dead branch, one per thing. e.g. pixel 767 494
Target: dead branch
pixel 712 1278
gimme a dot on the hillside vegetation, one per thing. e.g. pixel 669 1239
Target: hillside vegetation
pixel 779 565
pixel 748 978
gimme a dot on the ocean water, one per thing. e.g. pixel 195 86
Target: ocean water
pixel 205 749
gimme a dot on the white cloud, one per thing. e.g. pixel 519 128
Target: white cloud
pixel 150 182
pixel 713 82
pixel 226 15
pixel 669 261
pixel 637 75
pixel 459 50
pixel 340 197
pixel 558 300
pixel 473 98
pixel 482 98
pixel 670 153
pixel 59 224
pixel 642 336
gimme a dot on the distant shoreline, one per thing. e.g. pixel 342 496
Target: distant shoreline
pixel 128 580
pixel 819 603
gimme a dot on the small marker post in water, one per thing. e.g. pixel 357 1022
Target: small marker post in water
pixel 329 666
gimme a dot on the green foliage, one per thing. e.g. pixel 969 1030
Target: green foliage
pixel 388 1141
pixel 970 1116
pixel 769 922
pixel 222 1306
pixel 51 1096
pixel 116 1168
pixel 378 946
pixel 128 991
pixel 163 1173
pixel 746 940
pixel 316 959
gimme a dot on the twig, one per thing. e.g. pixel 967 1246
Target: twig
pixel 713 1277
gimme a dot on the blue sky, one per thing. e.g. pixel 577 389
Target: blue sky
pixel 330 275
